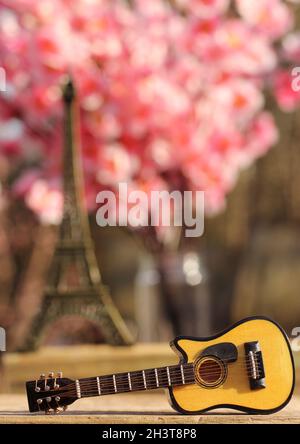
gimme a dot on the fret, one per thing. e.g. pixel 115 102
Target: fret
pixel 144 379
pixel 182 374
pixel 115 383
pixel 129 381
pixel 78 390
pixel 98 385
pixel 156 377
pixel 169 376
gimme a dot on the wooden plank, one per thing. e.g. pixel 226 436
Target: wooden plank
pixel 133 409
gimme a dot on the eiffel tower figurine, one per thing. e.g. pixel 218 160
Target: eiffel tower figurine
pixel 74 283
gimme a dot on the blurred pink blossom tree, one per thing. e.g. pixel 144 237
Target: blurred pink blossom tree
pixel 171 92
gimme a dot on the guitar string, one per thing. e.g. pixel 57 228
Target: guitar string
pixel 246 364
pixel 140 379
pixel 137 376
pixel 161 379
pixel 92 389
pixel 89 385
pixel 186 366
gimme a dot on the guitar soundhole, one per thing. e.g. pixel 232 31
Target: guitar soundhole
pixel 210 372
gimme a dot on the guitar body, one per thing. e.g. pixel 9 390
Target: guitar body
pixel 231 385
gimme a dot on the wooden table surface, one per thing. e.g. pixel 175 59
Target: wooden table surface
pixel 134 409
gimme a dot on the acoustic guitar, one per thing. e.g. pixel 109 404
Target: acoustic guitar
pixel 248 367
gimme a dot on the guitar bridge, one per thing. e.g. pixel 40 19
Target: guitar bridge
pixel 255 365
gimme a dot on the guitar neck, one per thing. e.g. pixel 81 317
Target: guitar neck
pixel 149 379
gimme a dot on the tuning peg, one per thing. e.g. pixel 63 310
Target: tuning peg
pixel 58 410
pixel 51 375
pixel 56 386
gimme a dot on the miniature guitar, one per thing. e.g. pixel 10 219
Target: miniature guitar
pixel 248 367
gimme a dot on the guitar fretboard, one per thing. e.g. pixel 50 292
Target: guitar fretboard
pixel 149 379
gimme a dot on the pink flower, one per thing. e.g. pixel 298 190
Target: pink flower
pixel 213 176
pixel 286 95
pixel 271 17
pixel 244 51
pixel 115 165
pixel 46 201
pixel 239 97
pixel 206 8
pixel 262 135
pixel 291 47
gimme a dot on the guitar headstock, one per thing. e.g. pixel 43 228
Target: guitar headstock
pixel 50 394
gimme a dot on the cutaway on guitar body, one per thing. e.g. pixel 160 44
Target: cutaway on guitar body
pixel 248 367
